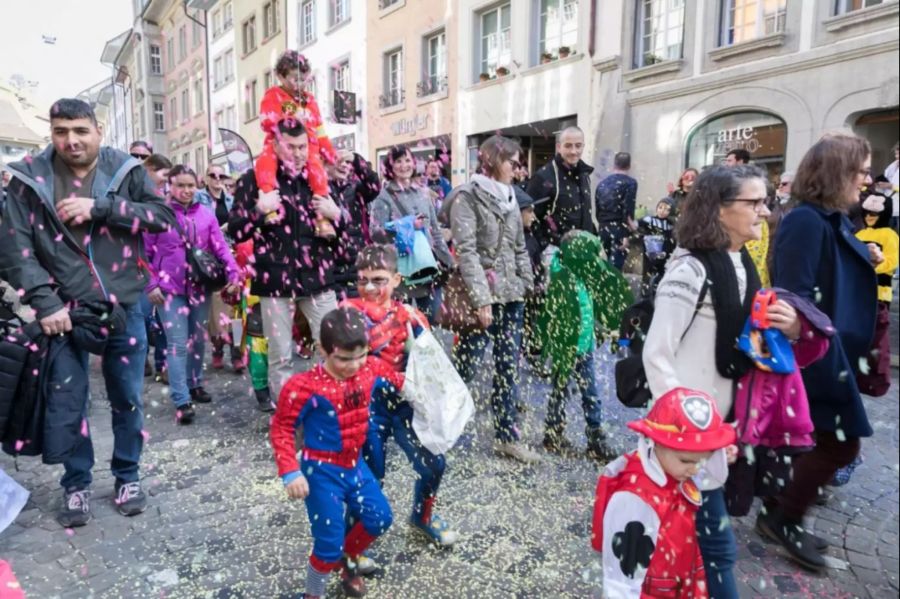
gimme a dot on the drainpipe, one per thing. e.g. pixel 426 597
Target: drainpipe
pixel 592 29
pixel 206 69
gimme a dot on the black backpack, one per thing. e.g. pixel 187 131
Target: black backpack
pixel 632 388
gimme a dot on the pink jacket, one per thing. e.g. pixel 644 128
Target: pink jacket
pixel 166 257
pixel 772 410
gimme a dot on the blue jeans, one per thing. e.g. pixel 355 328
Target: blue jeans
pixel 612 236
pixel 586 380
pixel 429 304
pixel 391 415
pixel 185 325
pixel 156 335
pixel 717 545
pixel 123 373
pixel 506 334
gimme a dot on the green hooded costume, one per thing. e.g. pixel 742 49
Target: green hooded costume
pixel 585 291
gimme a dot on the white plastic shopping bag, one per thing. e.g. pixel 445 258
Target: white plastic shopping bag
pixel 442 404
pixel 12 499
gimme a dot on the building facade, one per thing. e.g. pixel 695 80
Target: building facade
pixel 328 34
pixel 682 83
pixel 412 87
pixel 118 127
pixel 259 40
pixel 524 72
pixel 20 135
pixel 224 99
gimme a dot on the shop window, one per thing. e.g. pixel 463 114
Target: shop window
pixel 558 26
pixel 495 49
pixel 746 20
pixel 844 6
pixel 762 134
pixel 660 31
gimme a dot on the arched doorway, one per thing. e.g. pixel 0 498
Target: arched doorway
pixel 882 129
pixel 762 134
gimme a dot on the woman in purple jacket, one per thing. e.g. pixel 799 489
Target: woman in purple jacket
pixel 184 306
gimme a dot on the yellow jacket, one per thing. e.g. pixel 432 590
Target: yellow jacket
pixel 887 239
pixel 759 251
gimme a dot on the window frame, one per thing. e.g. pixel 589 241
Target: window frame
pixel 841 6
pixel 434 60
pixel 541 30
pixel 726 30
pixel 199 106
pixel 173 111
pixel 251 101
pixel 307 22
pixel 157 68
pixel 159 116
pixel 227 16
pixel 482 64
pixel 248 26
pixel 185 105
pixel 393 95
pixel 333 20
pixel 270 9
pixel 170 53
pixel 340 67
pixel 640 55
pixel 182 43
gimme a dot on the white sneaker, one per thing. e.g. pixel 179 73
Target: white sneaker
pixel 517 451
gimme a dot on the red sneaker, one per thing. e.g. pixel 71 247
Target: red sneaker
pixel 218 362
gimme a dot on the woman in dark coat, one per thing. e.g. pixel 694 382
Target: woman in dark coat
pixel 818 257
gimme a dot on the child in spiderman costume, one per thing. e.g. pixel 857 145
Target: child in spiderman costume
pixel 647 500
pixel 291 100
pixel 392 327
pixel 331 403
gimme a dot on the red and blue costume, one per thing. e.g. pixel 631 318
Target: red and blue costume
pixel 334 415
pixel 388 332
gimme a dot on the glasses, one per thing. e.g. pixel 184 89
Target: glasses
pixel 217 176
pixel 140 156
pixel 866 172
pixel 784 183
pixel 378 282
pixel 758 203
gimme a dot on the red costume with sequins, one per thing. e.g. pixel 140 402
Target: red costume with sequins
pixel 334 415
pixel 277 105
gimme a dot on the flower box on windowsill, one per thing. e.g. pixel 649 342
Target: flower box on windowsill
pixel 862 15
pixel 659 68
pixel 773 40
pixel 552 64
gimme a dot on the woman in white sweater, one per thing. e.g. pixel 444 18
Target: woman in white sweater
pixel 702 303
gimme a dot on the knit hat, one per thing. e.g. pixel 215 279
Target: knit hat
pixel 685 420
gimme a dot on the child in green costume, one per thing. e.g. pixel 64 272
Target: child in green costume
pixel 587 290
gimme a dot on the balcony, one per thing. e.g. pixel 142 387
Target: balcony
pixel 431 85
pixel 385 4
pixel 392 98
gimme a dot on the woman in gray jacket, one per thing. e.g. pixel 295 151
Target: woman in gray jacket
pixel 398 198
pixel 490 250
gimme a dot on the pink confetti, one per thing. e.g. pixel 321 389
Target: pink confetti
pixel 145 435
pixel 84 427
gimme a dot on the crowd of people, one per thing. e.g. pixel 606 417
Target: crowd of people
pixel 316 249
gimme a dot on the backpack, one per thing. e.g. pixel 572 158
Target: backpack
pixel 632 387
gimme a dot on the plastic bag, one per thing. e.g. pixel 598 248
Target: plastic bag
pixel 442 404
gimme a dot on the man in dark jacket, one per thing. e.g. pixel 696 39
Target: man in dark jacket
pixel 566 181
pixel 616 196
pixel 71 234
pixel 294 267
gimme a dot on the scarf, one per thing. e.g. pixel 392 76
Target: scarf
pixel 732 311
pixel 501 192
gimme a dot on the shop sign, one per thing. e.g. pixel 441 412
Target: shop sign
pixel 410 126
pixel 735 139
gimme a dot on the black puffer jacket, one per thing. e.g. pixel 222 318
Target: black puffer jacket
pixel 353 196
pixel 567 190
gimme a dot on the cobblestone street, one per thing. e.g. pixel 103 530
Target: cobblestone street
pixel 219 524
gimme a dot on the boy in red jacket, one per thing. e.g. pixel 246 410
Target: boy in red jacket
pixel 331 403
pixel 290 100
pixel 644 515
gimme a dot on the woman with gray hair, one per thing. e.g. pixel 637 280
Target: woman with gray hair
pixel 702 303
pixel 490 251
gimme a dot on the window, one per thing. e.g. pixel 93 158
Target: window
pixel 227 17
pixel 140 125
pixel 218 72
pixel 338 12
pixel 185 105
pixel 745 20
pixel 558 25
pixel 170 53
pixel 383 4
pixel 182 43
pixel 307 22
pixel 159 117
pixel 251 103
pixel 340 77
pixel 660 31
pixel 267 79
pixel 248 35
pixel 217 23
pixel 173 112
pixel 270 19
pixel 435 65
pixel 198 97
pixel 495 39
pixel 139 63
pixel 155 60
pixel 231 117
pixel 200 160
pixel 228 65
pixel 393 79
pixel 186 159
pixel 845 6
pixel 762 134
pixel 196 34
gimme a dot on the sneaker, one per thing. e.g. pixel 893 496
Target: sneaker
pixel 76 509
pixel 820 544
pixel 184 414
pixel 437 530
pixel 199 395
pixel 264 400
pixel 130 499
pixel 218 362
pixel 600 451
pixel 238 366
pixel 517 451
pixel 352 582
pixel 162 376
pixel 559 444
pixel 823 497
pixel 364 565
pixel 795 540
